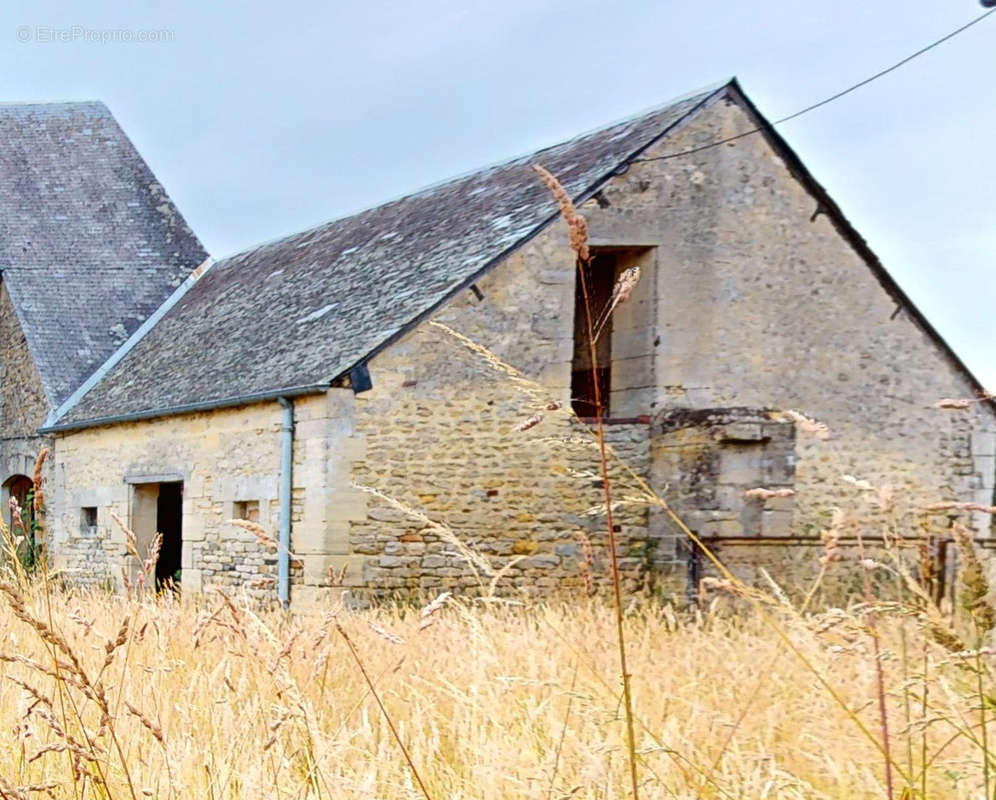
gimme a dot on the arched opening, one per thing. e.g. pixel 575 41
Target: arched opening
pixel 19 490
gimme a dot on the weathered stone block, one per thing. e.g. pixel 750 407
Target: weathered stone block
pixel 739 432
pixel 776 523
pixel 984 443
pixel 985 466
pixel 192 581
pixel 740 465
pixel 541 561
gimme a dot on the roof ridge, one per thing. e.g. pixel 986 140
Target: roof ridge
pixel 709 88
pixel 17 103
pixel 96 108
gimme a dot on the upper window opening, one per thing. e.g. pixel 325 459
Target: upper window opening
pixel 593 320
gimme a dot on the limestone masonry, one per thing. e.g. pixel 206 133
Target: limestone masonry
pixel 413 464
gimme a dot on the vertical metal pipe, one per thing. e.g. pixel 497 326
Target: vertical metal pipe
pixel 286 490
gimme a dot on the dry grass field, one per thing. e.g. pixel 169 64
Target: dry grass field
pixel 103 696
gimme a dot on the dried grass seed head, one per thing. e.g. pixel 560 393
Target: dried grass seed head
pixel 38 478
pixel 761 493
pixel 258 531
pixel 811 427
pixel 577 225
pixel 532 422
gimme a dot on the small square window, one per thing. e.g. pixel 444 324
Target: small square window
pixel 247 510
pixel 88 520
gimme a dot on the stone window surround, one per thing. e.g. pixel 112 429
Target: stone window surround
pixel 260 489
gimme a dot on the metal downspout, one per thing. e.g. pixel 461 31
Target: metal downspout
pixel 286 488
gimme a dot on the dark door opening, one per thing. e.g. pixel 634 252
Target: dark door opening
pixel 169 522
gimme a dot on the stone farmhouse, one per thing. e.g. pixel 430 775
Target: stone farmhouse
pixel 350 387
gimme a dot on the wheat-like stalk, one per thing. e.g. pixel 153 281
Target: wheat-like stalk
pixel 577 225
pixel 257 530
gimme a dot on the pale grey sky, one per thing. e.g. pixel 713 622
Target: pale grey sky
pixel 262 119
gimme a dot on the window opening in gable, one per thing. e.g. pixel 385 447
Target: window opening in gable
pixel 600 277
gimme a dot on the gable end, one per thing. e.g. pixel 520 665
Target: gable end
pixel 825 204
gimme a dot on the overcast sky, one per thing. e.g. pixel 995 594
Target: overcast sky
pixel 262 119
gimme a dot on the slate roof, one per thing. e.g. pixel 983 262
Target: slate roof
pixel 90 244
pixel 292 315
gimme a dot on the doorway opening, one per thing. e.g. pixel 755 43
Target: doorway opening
pixel 158 508
pixel 169 516
pixel 22 524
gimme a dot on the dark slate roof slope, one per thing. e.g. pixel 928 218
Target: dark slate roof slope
pixel 90 244
pixel 294 314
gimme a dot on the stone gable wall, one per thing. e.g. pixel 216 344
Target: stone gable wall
pixel 753 302
pixel 763 304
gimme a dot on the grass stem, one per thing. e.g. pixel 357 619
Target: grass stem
pixel 383 710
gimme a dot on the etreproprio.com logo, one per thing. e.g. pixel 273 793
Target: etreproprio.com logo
pixel 80 33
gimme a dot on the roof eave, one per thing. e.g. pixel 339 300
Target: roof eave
pixel 188 408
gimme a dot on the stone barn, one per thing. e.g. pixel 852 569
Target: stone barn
pixel 404 396
pixel 90 247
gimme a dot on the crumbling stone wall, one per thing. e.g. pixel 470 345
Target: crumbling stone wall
pixel 710 458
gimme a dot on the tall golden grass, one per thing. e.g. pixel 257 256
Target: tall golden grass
pixel 151 694
pixel 157 698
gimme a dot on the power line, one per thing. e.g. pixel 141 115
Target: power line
pixel 830 99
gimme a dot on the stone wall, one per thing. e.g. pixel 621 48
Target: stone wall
pixel 223 458
pixel 748 300
pixel 442 437
pixel 23 404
